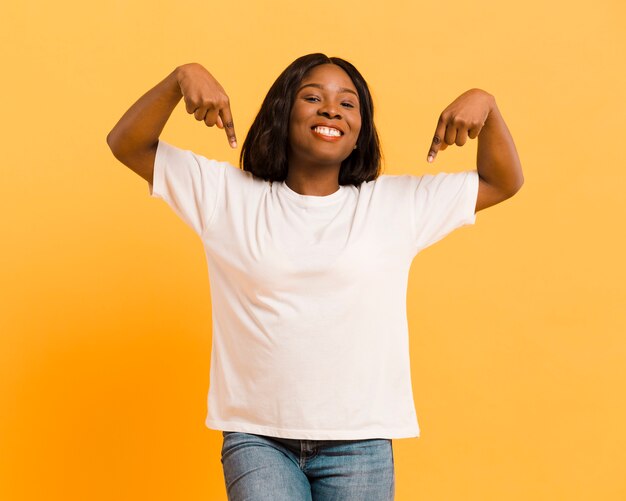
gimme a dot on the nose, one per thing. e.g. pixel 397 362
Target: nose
pixel 329 110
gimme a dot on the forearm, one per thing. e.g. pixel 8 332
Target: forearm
pixel 140 127
pixel 497 162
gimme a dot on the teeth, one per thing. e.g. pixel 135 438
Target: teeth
pixel 327 131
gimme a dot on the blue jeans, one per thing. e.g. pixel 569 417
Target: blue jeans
pixel 262 468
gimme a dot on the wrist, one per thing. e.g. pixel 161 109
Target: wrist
pixel 174 80
pixel 493 113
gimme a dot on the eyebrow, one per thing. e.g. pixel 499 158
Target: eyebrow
pixel 320 86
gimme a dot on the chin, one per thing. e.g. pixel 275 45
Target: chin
pixel 324 158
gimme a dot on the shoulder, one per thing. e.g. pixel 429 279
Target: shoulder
pixel 440 180
pixel 441 185
pixel 395 183
pixel 173 155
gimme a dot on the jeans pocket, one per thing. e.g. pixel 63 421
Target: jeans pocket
pixel 231 441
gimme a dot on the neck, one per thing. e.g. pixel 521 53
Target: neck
pixel 313 180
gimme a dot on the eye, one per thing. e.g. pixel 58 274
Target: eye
pixel 347 105
pixel 311 99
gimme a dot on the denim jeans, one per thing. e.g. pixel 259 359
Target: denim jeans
pixel 262 468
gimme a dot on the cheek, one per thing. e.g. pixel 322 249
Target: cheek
pixel 295 136
pixel 356 128
pixel 295 122
pixel 297 114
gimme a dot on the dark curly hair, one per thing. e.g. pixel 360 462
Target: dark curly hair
pixel 265 150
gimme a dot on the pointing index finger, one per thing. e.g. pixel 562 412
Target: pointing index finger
pixel 229 127
pixel 435 146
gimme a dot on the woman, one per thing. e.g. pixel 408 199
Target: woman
pixel 309 250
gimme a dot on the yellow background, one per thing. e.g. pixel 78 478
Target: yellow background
pixel 518 323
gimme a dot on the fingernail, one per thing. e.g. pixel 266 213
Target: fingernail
pixel 430 158
pixel 233 143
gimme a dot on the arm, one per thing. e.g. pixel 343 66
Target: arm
pixel 475 114
pixel 135 138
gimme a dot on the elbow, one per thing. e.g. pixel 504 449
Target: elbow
pixel 514 181
pixel 504 192
pixel 519 182
pixel 513 188
pixel 115 145
pixel 491 193
pixel 111 142
pixel 116 148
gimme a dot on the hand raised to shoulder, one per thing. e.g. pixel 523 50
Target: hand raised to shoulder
pixel 206 99
pixel 463 118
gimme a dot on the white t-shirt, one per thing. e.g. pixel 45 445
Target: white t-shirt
pixel 310 333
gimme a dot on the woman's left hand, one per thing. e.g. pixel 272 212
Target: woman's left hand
pixel 463 118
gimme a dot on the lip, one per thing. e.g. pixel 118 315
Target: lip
pixel 330 126
pixel 330 139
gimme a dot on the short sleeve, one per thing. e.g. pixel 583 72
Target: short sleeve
pixel 188 182
pixel 442 203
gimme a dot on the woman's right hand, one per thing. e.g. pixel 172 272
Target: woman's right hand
pixel 206 99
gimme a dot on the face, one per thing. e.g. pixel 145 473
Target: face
pixel 325 119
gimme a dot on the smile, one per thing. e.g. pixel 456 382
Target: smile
pixel 327 131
